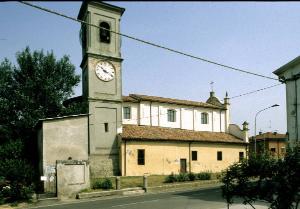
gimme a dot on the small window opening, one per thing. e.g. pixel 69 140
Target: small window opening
pixel 194 156
pixel 141 157
pixel 219 156
pixel 106 127
pixel 241 156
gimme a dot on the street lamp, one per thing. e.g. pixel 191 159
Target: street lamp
pixel 275 105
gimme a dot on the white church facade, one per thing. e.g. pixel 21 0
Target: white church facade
pixel 135 134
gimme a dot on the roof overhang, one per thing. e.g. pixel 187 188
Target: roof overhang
pixel 287 66
pixel 98 4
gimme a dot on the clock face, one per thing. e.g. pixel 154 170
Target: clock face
pixel 105 71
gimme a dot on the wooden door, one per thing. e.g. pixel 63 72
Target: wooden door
pixel 182 165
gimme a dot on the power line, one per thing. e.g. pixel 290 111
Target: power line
pixel 251 92
pixel 160 114
pixel 149 43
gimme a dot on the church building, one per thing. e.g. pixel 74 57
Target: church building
pixel 136 134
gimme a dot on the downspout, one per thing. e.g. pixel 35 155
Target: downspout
pixel 88 129
pixel 125 158
pixel 190 163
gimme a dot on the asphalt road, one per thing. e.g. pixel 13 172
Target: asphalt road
pixel 193 199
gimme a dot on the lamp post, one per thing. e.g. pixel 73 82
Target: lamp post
pixel 275 105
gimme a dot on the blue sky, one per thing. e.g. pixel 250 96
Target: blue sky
pixel 255 36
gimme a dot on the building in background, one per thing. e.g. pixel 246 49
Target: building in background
pixel 269 142
pixel 290 74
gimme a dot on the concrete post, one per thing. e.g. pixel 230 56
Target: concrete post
pixel 145 182
pixel 118 183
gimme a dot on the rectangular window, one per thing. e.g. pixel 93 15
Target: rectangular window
pixel 273 149
pixel 141 157
pixel 171 115
pixel 241 156
pixel 282 150
pixel 219 156
pixel 194 155
pixel 106 127
pixel 204 118
pixel 126 112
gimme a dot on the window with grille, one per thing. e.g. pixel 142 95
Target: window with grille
pixel 171 115
pixel 204 118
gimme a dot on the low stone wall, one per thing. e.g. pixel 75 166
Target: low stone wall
pixel 72 177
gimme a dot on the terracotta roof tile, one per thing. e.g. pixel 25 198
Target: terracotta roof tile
pixel 139 97
pixel 154 133
pixel 270 135
pixel 128 99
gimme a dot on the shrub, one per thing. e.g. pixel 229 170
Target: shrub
pixel 182 177
pixel 102 184
pixel 171 178
pixel 16 173
pixel 97 184
pixel 203 176
pixel 107 184
pixel 192 176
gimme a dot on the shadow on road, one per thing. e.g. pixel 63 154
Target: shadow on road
pixel 206 195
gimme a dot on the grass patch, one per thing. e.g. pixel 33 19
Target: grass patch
pixel 137 181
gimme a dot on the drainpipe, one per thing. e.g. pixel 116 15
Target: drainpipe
pixel 190 163
pixel 125 158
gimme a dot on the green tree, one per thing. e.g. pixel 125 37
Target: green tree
pixel 33 89
pixel 265 178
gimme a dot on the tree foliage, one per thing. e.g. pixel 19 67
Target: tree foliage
pixel 265 178
pixel 34 89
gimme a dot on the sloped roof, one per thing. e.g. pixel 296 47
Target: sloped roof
pixel 270 136
pixel 139 97
pixel 155 133
pixel 287 66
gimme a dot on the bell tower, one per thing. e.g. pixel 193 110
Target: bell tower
pixel 102 83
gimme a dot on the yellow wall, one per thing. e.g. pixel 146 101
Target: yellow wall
pixel 164 157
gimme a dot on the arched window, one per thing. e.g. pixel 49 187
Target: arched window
pixel 204 118
pixel 104 34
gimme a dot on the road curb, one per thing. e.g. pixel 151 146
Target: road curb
pixel 183 186
pixel 150 190
pixel 97 194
